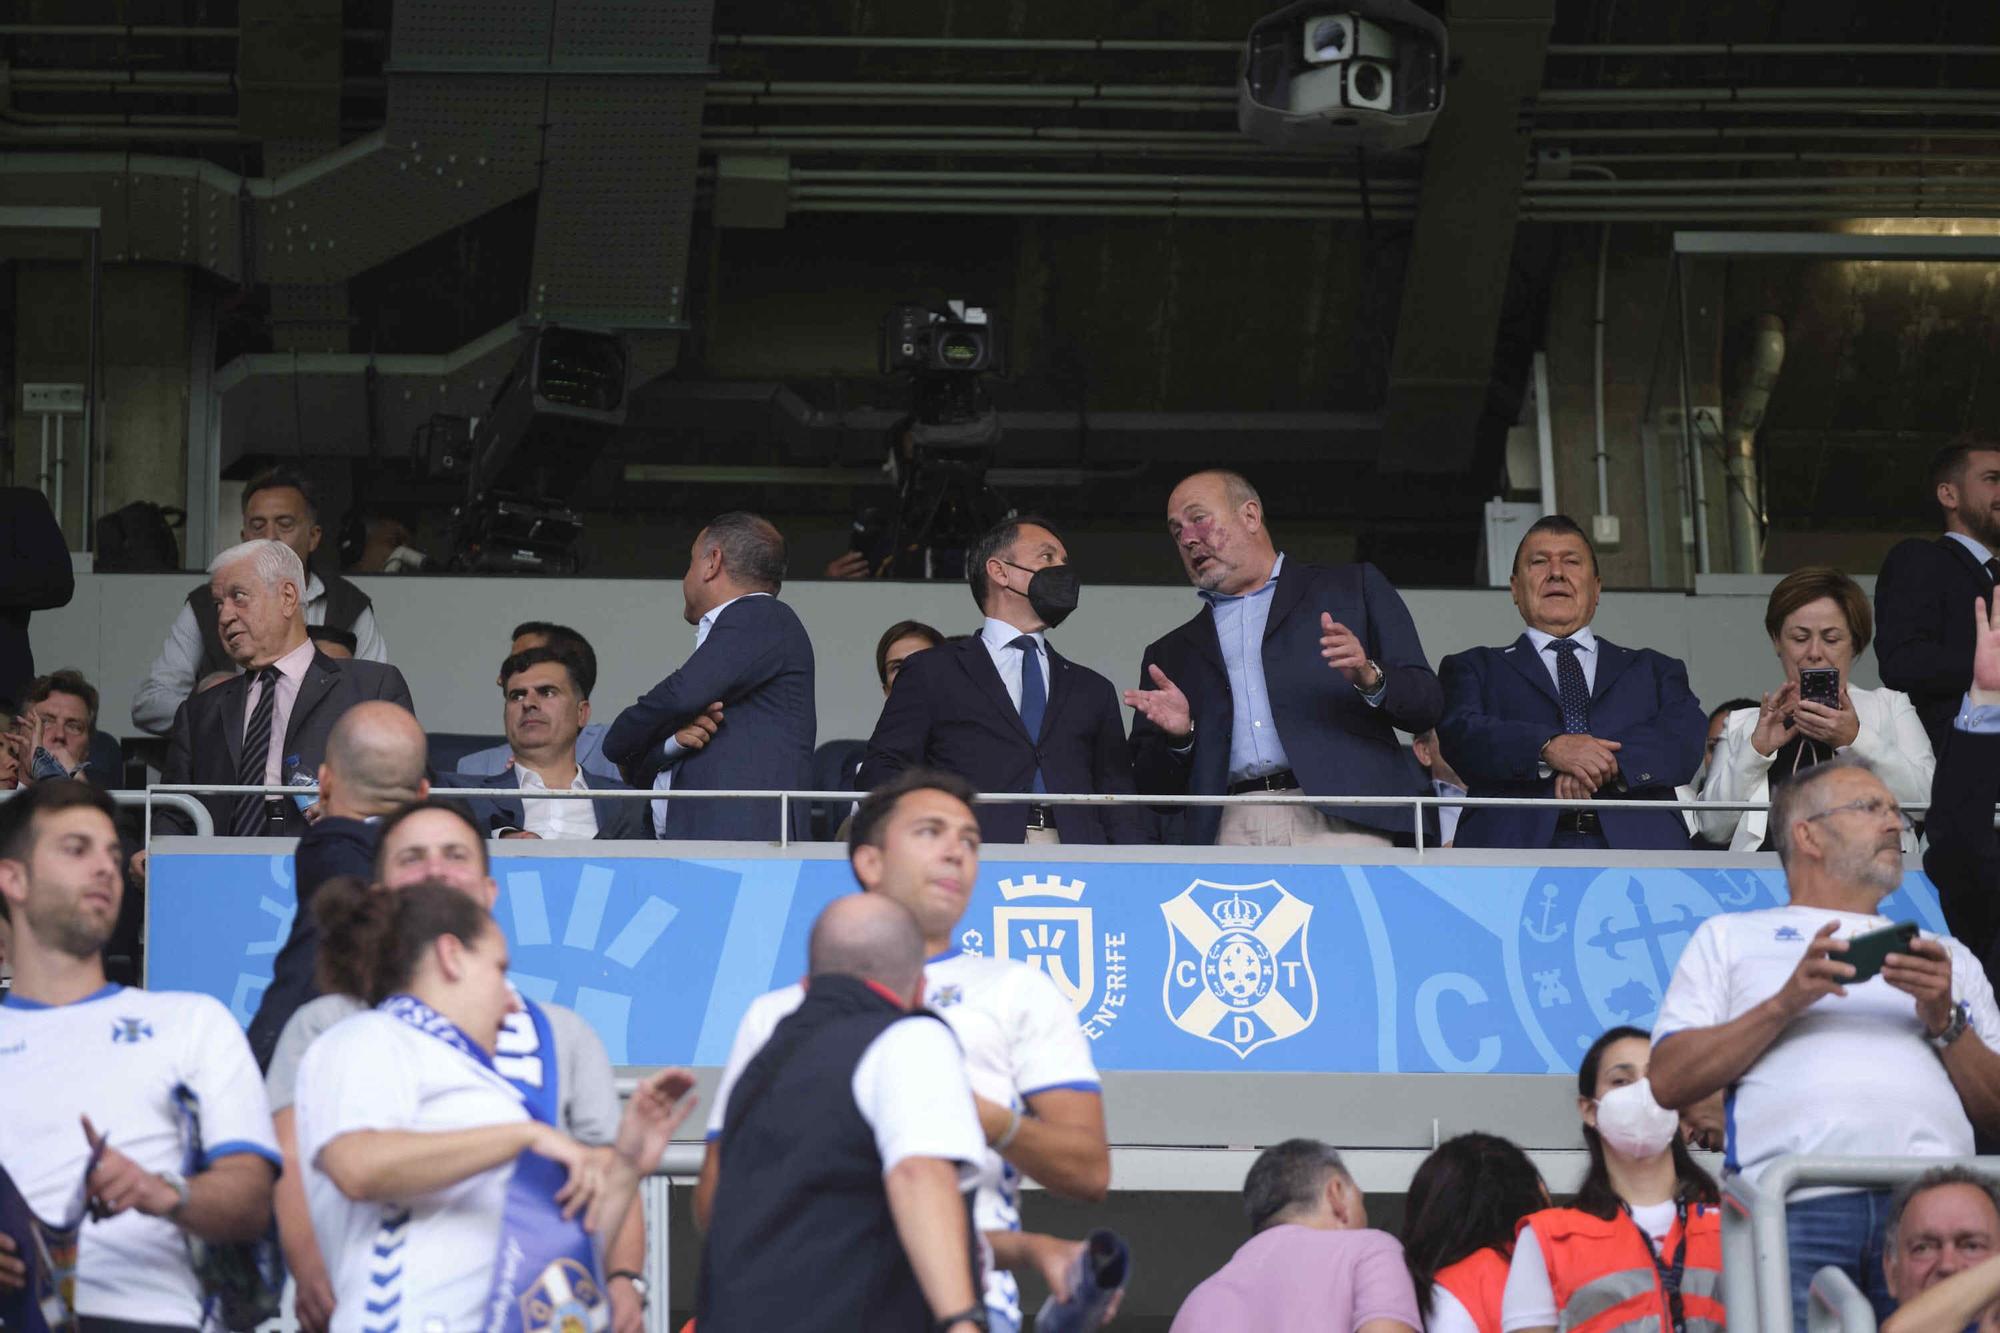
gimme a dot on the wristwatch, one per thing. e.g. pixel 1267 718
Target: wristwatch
pixel 178 1184
pixel 1381 677
pixel 1952 1030
pixel 976 1316
pixel 638 1281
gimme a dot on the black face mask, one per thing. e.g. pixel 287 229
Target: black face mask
pixel 1053 591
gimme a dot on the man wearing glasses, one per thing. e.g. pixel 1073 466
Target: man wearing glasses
pixel 1811 1057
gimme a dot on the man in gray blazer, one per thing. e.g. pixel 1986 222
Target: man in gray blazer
pixel 739 713
pixel 268 726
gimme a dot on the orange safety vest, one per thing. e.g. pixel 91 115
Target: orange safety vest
pixel 1477 1282
pixel 1605 1279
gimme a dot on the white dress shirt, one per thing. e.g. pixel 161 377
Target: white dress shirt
pixel 675 751
pixel 998 636
pixel 550 818
pixel 1586 655
pixel 172 677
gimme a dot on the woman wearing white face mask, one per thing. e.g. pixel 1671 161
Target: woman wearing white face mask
pixel 1643 1240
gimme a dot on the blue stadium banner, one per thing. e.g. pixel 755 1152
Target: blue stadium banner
pixel 1171 966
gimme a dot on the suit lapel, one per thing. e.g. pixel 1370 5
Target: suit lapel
pixel 978 664
pixel 1973 568
pixel 1059 689
pixel 1611 663
pixel 321 676
pixel 1524 659
pixel 237 693
pixel 1201 630
pixel 1286 596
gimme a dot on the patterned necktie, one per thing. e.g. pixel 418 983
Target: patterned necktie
pixel 250 810
pixel 1034 695
pixel 1570 688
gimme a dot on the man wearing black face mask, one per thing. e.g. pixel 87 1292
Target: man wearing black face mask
pixel 1002 709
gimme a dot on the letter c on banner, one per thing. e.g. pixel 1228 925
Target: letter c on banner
pixel 1432 1033
pixel 1184 973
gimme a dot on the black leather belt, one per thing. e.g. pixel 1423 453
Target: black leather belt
pixel 1041 816
pixel 1578 821
pixel 1282 780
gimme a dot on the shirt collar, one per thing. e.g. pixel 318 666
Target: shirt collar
pixel 707 621
pixel 293 664
pixel 13 1001
pixel 314 589
pixel 1979 553
pixel 1218 599
pixel 528 778
pixel 1585 641
pixel 1440 787
pixel 999 634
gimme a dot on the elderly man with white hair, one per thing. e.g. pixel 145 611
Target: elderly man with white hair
pixel 268 726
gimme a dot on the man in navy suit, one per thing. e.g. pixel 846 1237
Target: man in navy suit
pixel 1923 632
pixel 1293 678
pixel 546 710
pixel 1005 711
pixel 1561 712
pixel 739 713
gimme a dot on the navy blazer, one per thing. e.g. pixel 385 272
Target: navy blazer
pixel 332 847
pixel 1923 627
pixel 950 710
pixel 1963 855
pixel 206 743
pixel 1337 743
pixel 502 810
pixel 758 661
pixel 1501 709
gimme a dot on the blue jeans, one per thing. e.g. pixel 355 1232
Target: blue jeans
pixel 1842 1230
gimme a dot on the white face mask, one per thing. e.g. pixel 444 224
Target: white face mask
pixel 1632 1124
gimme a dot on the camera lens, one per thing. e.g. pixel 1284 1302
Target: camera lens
pixel 1367 83
pixel 960 351
pixel 1329 39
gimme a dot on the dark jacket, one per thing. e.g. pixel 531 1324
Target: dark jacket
pixel 802 1237
pixel 502 810
pixel 1923 627
pixel 758 661
pixel 34 576
pixel 1501 709
pixel 344 605
pixel 950 711
pixel 1963 859
pixel 206 744
pixel 1337 743
pixel 331 847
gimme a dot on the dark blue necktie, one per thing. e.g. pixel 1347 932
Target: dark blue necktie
pixel 1034 695
pixel 250 810
pixel 1571 691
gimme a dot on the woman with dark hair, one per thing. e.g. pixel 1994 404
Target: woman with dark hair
pixel 433 1189
pixel 1465 1204
pixel 1643 1238
pixel 1818 620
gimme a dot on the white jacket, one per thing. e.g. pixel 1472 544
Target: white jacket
pixel 1892 738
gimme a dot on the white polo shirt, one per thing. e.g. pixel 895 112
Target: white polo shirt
pixel 116 1056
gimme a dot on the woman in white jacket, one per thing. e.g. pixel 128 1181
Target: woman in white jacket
pixel 1817 618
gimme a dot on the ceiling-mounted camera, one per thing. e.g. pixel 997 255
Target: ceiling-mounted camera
pixel 1355 73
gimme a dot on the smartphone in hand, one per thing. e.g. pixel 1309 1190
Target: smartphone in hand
pixel 1868 952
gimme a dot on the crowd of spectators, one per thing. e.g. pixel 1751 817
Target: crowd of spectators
pixel 423 1134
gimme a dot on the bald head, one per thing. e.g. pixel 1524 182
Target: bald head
pixel 870 937
pixel 374 761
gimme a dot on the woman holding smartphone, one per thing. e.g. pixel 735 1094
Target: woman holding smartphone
pixel 433 1189
pixel 1642 1243
pixel 1819 622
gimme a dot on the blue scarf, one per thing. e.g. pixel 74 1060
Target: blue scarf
pixel 545 1273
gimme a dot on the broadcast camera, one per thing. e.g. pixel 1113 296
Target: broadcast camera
pixel 1359 73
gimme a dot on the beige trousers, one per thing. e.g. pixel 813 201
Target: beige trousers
pixel 1292 826
pixel 1041 837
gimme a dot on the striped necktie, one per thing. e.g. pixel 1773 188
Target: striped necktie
pixel 250 810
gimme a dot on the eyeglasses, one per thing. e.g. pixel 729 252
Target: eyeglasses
pixel 1872 806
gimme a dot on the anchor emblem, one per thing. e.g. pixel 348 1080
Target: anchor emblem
pixel 1739 890
pixel 1546 934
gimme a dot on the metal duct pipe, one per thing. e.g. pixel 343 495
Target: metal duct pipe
pixel 1081 44
pixel 1760 374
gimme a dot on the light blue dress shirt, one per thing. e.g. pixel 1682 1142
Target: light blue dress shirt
pixel 1979 719
pixel 1254 747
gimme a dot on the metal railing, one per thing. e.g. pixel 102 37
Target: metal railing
pixel 204 825
pixel 1416 805
pixel 1756 1249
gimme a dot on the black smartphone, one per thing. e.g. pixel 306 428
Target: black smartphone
pixel 1820 685
pixel 1867 952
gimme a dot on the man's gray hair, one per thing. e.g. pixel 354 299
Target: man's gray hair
pixel 1286 1179
pixel 1934 1178
pixel 753 550
pixel 276 563
pixel 1795 799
